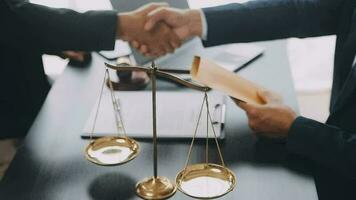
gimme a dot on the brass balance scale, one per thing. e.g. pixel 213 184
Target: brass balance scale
pixel 217 179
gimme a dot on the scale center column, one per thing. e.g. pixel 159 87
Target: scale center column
pixel 156 187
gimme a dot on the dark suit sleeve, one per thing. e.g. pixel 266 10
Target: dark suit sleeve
pixel 327 145
pixel 65 29
pixel 271 19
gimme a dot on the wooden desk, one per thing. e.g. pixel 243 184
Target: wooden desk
pixel 51 164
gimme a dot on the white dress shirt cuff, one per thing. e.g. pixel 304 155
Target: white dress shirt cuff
pixel 204 35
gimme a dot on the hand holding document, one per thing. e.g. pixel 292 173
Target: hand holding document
pixel 216 77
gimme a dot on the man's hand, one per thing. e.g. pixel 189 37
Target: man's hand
pixel 157 41
pixel 77 56
pixel 185 23
pixel 271 119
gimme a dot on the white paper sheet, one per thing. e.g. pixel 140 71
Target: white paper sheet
pixel 177 114
pixel 122 48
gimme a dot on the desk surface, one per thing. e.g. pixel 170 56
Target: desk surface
pixel 51 163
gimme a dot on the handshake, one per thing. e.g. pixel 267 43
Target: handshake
pixel 155 29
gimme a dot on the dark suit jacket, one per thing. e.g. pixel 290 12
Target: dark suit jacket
pixel 331 146
pixel 28 31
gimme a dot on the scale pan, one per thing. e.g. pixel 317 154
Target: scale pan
pixel 205 181
pixel 109 151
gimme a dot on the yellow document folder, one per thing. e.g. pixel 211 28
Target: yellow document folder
pixel 216 77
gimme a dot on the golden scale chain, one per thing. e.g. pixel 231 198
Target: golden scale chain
pixel 209 119
pixel 116 107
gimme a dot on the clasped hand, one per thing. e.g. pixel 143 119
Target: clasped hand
pixel 155 29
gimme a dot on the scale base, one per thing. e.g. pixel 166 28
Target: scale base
pixel 155 188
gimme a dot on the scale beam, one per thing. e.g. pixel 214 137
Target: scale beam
pixel 160 73
pixel 127 68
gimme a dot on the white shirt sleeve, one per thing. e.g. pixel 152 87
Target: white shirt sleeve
pixel 204 35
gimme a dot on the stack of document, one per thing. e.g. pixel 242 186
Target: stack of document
pixel 177 115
